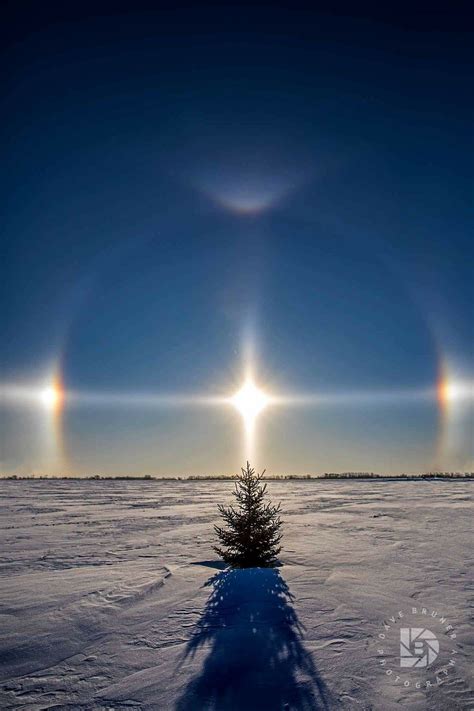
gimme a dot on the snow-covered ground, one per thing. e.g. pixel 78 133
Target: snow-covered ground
pixel 112 598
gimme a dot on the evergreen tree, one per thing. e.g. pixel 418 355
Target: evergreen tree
pixel 252 536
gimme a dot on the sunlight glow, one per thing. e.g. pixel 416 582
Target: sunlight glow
pixel 51 397
pixel 250 401
pixel 246 191
pixel 455 395
pixel 451 391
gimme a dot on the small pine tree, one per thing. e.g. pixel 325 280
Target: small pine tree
pixel 252 536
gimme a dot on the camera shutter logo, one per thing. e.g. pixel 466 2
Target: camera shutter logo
pixel 419 647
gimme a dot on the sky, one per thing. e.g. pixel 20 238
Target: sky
pixel 193 193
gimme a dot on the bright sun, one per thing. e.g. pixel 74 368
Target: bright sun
pixel 50 397
pixel 250 401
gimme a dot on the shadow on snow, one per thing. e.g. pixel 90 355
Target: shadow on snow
pixel 256 658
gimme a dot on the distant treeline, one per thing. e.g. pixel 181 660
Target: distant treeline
pixel 229 477
pixel 371 475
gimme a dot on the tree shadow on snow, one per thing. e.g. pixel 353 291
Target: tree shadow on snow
pixel 256 659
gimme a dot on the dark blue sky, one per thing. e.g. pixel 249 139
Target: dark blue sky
pixel 178 178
